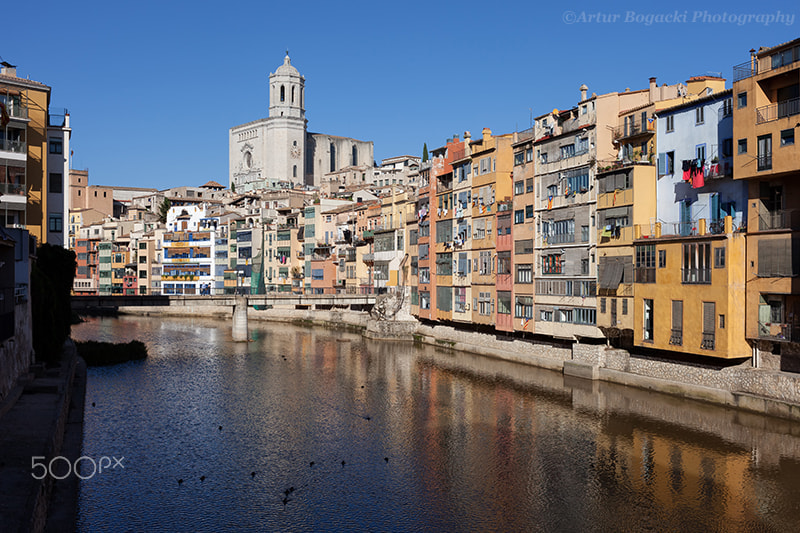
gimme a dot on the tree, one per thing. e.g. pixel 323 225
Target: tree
pixel 233 188
pixel 424 152
pixel 51 282
pixel 163 209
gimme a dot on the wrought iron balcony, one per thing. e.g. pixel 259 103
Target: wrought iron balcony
pixel 696 275
pixel 779 219
pixel 765 161
pixel 778 332
pixel 786 108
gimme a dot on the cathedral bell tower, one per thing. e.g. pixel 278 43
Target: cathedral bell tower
pixel 286 125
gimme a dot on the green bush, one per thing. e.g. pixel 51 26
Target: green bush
pixel 109 353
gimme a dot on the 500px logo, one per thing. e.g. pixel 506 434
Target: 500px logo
pixel 60 467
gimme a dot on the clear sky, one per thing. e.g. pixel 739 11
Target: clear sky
pixel 153 87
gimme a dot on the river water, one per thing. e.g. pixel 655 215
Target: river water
pixel 319 429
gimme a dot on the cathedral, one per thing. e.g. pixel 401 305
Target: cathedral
pixel 279 151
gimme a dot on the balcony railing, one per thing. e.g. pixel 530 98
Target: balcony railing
pixel 708 341
pixel 18 147
pixel 778 331
pixel 765 161
pixel 631 130
pixel 696 275
pixel 645 274
pixel 779 219
pixel 368 258
pixel 745 70
pixel 676 337
pixel 12 188
pixel 786 108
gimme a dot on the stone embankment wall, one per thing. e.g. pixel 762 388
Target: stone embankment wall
pixel 760 390
pixel 16 353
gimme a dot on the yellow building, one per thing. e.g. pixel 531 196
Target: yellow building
pixel 626 202
pixel 766 115
pixel 690 292
pixel 24 152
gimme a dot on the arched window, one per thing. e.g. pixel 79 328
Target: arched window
pixel 333 157
pixel 283 93
pixel 294 171
pixel 292 94
pixel 355 155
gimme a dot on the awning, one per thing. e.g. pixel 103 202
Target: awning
pixel 612 275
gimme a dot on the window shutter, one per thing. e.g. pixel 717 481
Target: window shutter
pixel 662 164
pixel 677 315
pixel 709 312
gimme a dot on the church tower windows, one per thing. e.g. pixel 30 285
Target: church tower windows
pixel 355 155
pixel 283 93
pixel 333 157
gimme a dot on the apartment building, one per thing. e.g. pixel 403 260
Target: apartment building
pixel 523 233
pixel 766 118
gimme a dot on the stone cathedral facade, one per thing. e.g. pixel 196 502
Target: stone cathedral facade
pixel 279 151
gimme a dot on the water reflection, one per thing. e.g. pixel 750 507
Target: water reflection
pixel 405 437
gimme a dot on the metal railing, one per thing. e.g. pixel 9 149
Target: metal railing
pixel 786 108
pixel 696 275
pixel 779 219
pixel 12 188
pixel 778 332
pixel 631 129
pixel 676 337
pixel 645 274
pixel 18 147
pixel 708 341
pixel 745 70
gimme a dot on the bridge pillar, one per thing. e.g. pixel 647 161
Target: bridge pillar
pixel 240 319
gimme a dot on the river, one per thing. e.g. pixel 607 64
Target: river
pixel 320 429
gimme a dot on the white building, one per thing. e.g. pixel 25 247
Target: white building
pixel 58 137
pixel 189 250
pixel 279 150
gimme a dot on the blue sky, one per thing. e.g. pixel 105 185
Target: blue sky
pixel 153 87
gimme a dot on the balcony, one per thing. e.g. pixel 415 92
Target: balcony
pixel 779 219
pixel 12 188
pixel 708 341
pixel 676 337
pixel 17 147
pixel 778 332
pixel 644 274
pixel 696 275
pixel 633 129
pixel 784 109
pixel 368 258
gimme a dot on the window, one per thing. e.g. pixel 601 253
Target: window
pixel 696 263
pixel 529 211
pixel 645 263
pixel 444 264
pixel 765 152
pixel 519 187
pixel 666 163
pixel 552 264
pixel 787 137
pixel 624 306
pixel 741 100
pixel 584 267
pixel 503 302
pixel 523 246
pixel 56 146
pixel 719 257
pixel 727 107
pixel 424 275
pixel 721 321
pixel 504 262
pixel 670 123
pixel 567 151
pixel 519 158
pixel 698 115
pixel 742 146
pixel 485 263
pixel 647 329
pixel 460 301
pixel 56 223
pixel 444 298
pixel 529 155
pixel 56 182
pixel 485 303
pixel 424 300
pixel 519 216
pixel 584 233
pixel 603 306
pixel 529 185
pixel 552 190
pixel 700 152
pixel 524 273
pixel 709 316
pixel 727 147
pixel 676 334
pixel 523 307
pixel 485 165
pixel 662 258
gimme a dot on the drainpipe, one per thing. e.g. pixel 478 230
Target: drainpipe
pixel 755 355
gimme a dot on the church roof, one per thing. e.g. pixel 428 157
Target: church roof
pixel 287 69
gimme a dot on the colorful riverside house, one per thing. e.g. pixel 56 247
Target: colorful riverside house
pixel 689 264
pixel 189 249
pixel 462 231
pixel 421 304
pixel 766 122
pixel 442 221
pixel 523 233
pixel 491 183
pixel 389 242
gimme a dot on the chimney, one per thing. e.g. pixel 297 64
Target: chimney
pixel 653 96
pixel 583 89
pixel 467 136
pixel 487 133
pixel 8 69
